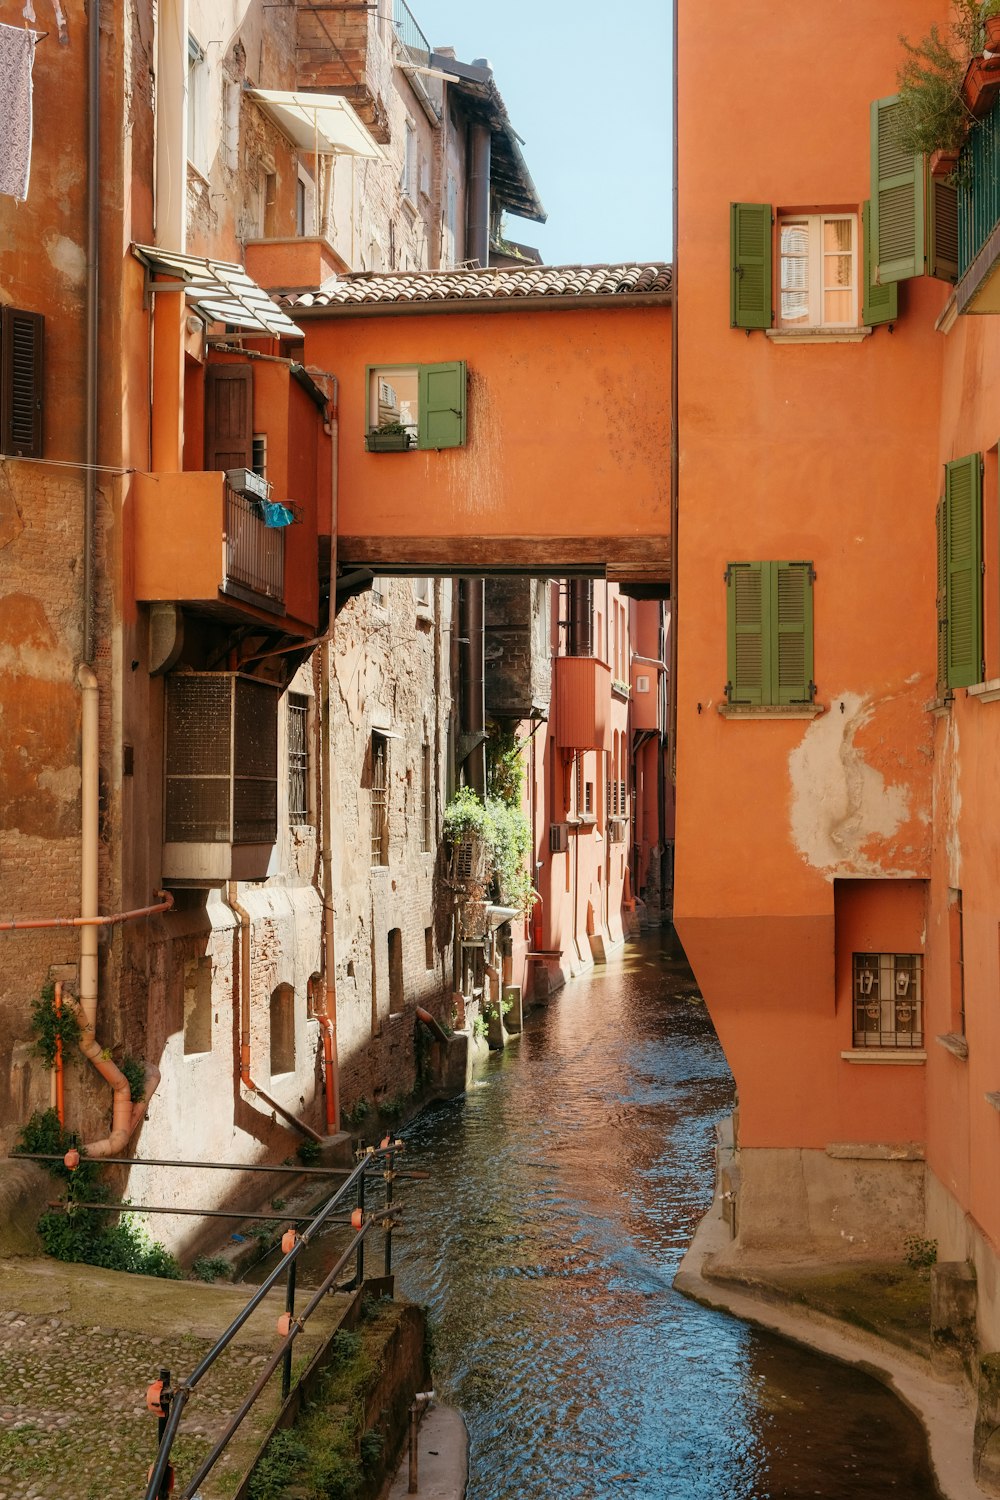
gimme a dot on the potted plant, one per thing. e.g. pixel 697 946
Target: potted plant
pixel 946 83
pixel 469 831
pixel 389 437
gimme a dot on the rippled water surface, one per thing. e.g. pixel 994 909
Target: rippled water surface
pixel 565 1188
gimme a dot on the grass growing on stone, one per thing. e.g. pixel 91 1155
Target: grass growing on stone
pixel 893 1302
pixel 328 1455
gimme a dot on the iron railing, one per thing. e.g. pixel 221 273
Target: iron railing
pixel 405 26
pixel 978 188
pixel 254 553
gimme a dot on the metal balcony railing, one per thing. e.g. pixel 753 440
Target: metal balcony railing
pixel 254 553
pixel 409 33
pixel 979 188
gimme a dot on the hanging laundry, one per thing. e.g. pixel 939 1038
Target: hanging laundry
pixel 276 514
pixel 17 54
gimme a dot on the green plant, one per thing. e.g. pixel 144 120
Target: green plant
pixel 506 833
pixel 281 1463
pixel 371 1447
pixel 932 114
pixel 466 817
pixel 505 766
pixel 136 1074
pixel 919 1253
pixel 308 1152
pixel 480 1028
pixel 278 1204
pixel 51 1027
pixel 210 1268
pixel 392 429
pixel 353 1117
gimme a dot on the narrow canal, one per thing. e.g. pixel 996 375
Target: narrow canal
pixel 565 1188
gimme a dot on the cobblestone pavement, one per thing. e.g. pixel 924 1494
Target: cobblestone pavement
pixel 78 1347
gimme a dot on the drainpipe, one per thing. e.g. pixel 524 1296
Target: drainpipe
pixel 473 702
pixel 125 1114
pixel 93 265
pixel 477 219
pixel 674 438
pixel 328 1016
pixel 244 979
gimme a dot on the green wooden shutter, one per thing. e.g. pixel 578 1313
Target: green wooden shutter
pixel 942 229
pixel 750 258
pixel 747 586
pixel 791 633
pixel 897 217
pixel 963 543
pixel 441 405
pixel 942 599
pixel 881 303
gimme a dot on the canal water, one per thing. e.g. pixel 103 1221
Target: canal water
pixel 564 1189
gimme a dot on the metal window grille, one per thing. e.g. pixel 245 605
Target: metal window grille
pixel 425 798
pixel 621 798
pixel 888 1000
pixel 379 798
pixel 255 553
pixel 610 783
pixel 579 784
pixel 588 798
pixel 298 760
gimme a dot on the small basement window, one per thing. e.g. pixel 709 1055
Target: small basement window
pixel 415 406
pixel 888 1000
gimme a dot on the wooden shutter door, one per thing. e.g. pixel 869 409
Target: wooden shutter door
pixel 791 635
pixel 881 303
pixel 21 382
pixel 963 538
pixel 897 217
pixel 750 258
pixel 942 230
pixel 441 405
pixel 746 584
pixel 228 417
pixel 942 598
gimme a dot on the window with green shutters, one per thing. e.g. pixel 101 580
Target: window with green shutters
pixel 770 633
pixel 914 217
pixel 415 406
pixel 751 251
pixel 959 575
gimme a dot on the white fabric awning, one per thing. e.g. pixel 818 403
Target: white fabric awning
pixel 318 122
pixel 223 292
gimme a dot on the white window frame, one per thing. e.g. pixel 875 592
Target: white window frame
pixel 815 256
pixel 410 167
pixel 197 106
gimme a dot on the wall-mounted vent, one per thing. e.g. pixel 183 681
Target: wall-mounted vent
pixel 642 684
pixel 558 838
pixel 616 830
pixel 221 777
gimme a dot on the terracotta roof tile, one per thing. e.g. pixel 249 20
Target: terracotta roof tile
pixel 366 288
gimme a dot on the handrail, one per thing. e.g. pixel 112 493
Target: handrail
pixel 408 31
pixel 181 1394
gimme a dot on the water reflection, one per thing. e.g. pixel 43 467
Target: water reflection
pixel 565 1189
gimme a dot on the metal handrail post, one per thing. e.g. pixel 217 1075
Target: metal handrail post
pixel 359 1274
pixel 286 1374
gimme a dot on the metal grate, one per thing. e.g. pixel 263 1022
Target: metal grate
pixel 407 30
pixel 255 553
pixel 379 799
pixel 298 760
pixel 978 188
pixel 221 759
pixel 426 801
pixel 888 1000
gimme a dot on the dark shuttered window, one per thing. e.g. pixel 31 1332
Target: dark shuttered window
pixel 942 229
pixel 881 303
pixel 959 574
pixel 770 633
pixel 21 375
pixel 750 251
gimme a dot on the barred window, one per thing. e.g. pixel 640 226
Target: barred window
pixel 298 760
pixel 888 1000
pixel 380 800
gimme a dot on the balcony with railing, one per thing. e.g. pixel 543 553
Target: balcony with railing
pixel 978 194
pixel 199 541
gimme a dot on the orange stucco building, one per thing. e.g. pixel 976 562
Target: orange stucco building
pixel 837 833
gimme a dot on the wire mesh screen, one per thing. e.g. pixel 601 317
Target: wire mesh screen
pixel 888 1000
pixel 298 760
pixel 221 759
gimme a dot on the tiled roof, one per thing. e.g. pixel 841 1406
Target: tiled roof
pixel 370 288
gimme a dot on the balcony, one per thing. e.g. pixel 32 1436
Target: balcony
pixel 978 289
pixel 198 541
pixel 347 50
pixel 582 702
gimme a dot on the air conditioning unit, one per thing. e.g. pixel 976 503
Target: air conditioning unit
pixel 616 831
pixel 558 838
pixel 220 804
pixel 642 684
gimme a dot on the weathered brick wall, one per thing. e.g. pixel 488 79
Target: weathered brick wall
pixel 518 654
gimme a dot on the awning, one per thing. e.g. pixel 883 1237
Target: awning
pixel 317 122
pixel 222 292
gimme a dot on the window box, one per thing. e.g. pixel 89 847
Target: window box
pixel 943 163
pixel 388 442
pixel 981 86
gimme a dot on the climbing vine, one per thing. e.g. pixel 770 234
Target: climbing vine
pixel 51 1026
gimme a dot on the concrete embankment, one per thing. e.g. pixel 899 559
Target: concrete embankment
pixel 778 1298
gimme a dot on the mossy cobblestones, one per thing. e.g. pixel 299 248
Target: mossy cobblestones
pixel 78 1347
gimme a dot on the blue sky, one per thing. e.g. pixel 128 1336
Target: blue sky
pixel 590 94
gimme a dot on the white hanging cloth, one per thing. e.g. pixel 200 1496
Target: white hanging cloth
pixel 17 54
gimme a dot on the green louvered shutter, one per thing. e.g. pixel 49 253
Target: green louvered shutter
pixel 441 405
pixel 942 600
pixel 942 229
pixel 791 634
pixel 897 216
pixel 881 303
pixel 747 586
pixel 750 258
pixel 963 533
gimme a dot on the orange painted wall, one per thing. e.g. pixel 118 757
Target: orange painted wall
pixel 820 452
pixel 568 415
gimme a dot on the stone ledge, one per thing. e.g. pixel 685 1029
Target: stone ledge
pixel 953 1043
pixel 863 1151
pixel 893 1057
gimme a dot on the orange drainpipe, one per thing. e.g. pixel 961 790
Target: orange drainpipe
pixel 246 1078
pixel 329 1069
